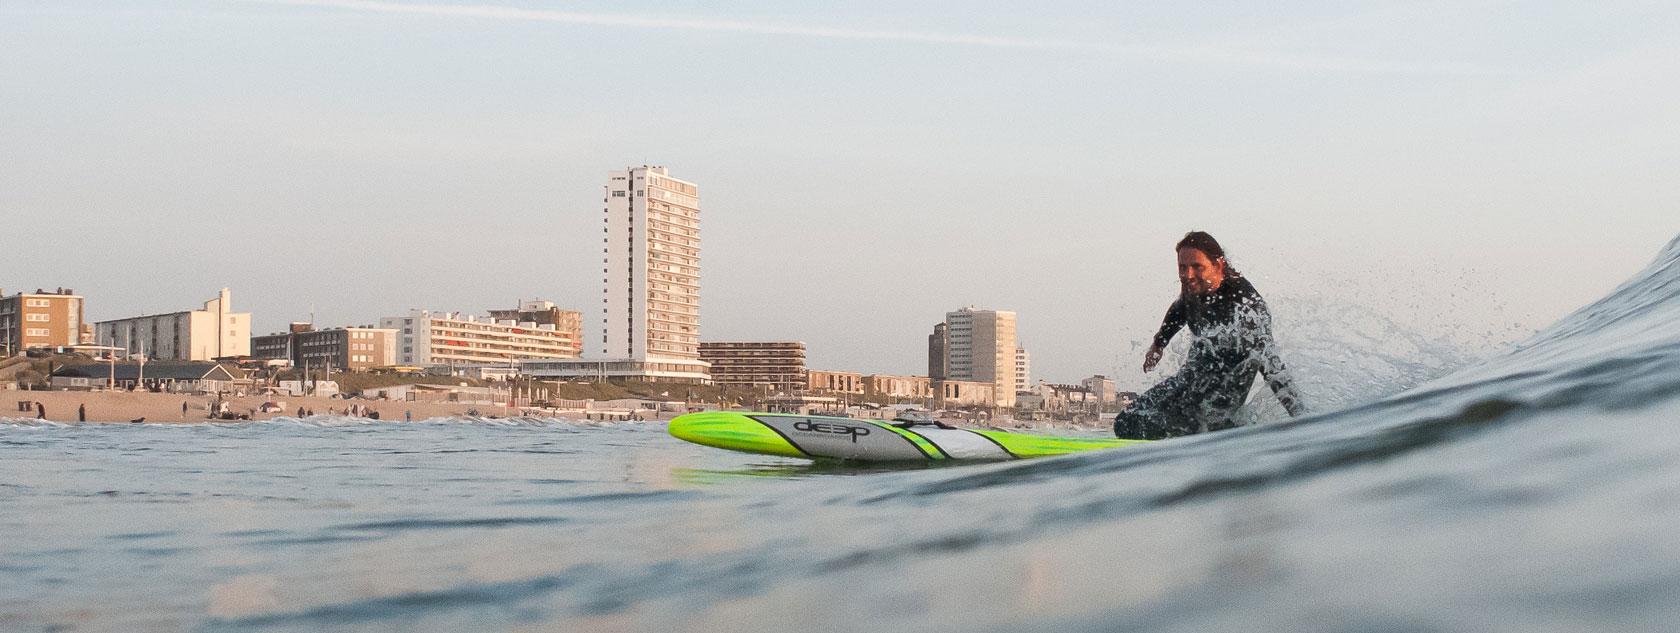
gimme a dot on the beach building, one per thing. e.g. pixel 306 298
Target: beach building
pixel 40 320
pixel 835 382
pixel 953 394
pixel 980 347
pixel 212 332
pixel 885 389
pixel 778 365
pixel 649 324
pixel 427 338
pixel 163 376
pixel 345 348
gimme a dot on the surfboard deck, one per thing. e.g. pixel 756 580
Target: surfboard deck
pixel 818 437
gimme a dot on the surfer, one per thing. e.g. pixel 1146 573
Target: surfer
pixel 1233 342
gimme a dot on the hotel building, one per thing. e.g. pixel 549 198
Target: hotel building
pixel 214 332
pixel 779 365
pixel 431 339
pixel 40 320
pixel 981 348
pixel 352 348
pixel 649 321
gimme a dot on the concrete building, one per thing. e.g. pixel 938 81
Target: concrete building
pixel 894 389
pixel 1023 370
pixel 835 382
pixel 452 339
pixel 779 365
pixel 569 323
pixel 1102 388
pixel 40 320
pixel 981 348
pixel 649 324
pixel 939 342
pixel 347 348
pixel 953 394
pixel 213 332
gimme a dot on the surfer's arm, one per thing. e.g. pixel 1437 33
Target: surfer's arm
pixel 1257 321
pixel 1170 325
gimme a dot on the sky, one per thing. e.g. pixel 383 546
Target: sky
pixel 864 168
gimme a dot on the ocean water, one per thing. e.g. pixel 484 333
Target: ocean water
pixel 1536 490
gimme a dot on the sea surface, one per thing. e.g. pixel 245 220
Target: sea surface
pixel 1537 489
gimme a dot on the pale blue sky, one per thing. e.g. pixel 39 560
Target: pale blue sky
pixel 863 167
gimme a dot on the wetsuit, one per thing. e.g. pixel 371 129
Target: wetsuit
pixel 1233 342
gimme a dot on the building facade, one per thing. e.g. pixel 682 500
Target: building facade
pixel 348 348
pixel 952 394
pixel 569 323
pixel 213 332
pixel 938 359
pixel 779 365
pixel 895 389
pixel 40 320
pixel 835 382
pixel 650 271
pixel 1023 370
pixel 981 348
pixel 426 338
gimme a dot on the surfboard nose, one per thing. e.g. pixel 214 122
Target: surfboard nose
pixel 731 430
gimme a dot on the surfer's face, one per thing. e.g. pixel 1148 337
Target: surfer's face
pixel 1198 275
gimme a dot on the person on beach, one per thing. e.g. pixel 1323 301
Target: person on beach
pixel 183 409
pixel 81 413
pixel 40 410
pixel 1233 342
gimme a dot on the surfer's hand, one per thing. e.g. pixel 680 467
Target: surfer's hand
pixel 1151 358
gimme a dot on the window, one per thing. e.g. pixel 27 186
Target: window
pixel 618 194
pixel 39 318
pixel 40 303
pixel 37 332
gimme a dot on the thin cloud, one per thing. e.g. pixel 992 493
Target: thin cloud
pixel 1152 53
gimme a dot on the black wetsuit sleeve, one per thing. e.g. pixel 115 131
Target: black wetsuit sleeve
pixel 1256 321
pixel 1170 325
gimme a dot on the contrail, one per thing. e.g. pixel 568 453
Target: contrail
pixel 1150 53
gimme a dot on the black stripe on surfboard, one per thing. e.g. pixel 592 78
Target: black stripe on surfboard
pixel 777 431
pixel 936 445
pixel 1000 445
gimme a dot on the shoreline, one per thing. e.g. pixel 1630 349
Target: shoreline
pixel 124 407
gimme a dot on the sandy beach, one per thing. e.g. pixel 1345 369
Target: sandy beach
pixel 165 408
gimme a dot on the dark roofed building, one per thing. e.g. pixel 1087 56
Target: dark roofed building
pixel 173 377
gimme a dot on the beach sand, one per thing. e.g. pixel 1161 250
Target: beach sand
pixel 125 406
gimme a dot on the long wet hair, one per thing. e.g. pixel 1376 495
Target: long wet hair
pixel 1202 241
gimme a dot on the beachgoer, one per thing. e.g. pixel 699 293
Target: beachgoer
pixel 183 408
pixel 81 413
pixel 300 412
pixel 408 416
pixel 1233 342
pixel 40 410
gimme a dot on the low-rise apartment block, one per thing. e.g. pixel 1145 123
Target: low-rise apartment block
pixel 206 334
pixel 428 338
pixel 40 320
pixel 568 323
pixel 779 365
pixel 351 348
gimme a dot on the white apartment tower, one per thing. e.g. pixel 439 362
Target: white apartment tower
pixel 981 348
pixel 650 274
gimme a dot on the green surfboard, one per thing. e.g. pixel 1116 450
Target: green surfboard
pixel 819 437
